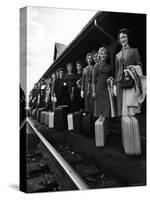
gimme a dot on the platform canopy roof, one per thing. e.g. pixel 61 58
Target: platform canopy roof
pixel 102 30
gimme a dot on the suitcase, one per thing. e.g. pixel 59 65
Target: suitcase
pixel 34 113
pixel 100 133
pixel 51 120
pixel 42 121
pixel 28 112
pixel 88 124
pixel 39 113
pixel 70 122
pixel 131 135
pixel 46 118
pixel 65 108
pixel 77 122
pixel 60 118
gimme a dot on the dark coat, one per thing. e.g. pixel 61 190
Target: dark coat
pixel 78 101
pixel 87 80
pixel 34 98
pixel 101 72
pixel 61 91
pixel 69 80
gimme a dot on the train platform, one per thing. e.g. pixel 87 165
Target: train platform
pixel 111 159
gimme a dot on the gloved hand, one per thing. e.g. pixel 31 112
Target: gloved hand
pixel 71 96
pixel 82 93
pixel 53 99
pixel 115 90
pixel 94 95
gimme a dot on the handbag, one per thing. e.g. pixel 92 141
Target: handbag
pixel 127 82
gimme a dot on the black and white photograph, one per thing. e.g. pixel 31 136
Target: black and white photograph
pixel 83 94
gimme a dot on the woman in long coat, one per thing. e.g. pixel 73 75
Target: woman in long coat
pixel 48 82
pixel 78 101
pixel 127 56
pixel 69 81
pixel 86 88
pixel 102 71
pixel 61 90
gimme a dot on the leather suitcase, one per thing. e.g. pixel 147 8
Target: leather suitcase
pixel 65 108
pixel 46 118
pixel 51 120
pixel 77 122
pixel 87 124
pixel 39 113
pixel 100 133
pixel 70 122
pixel 60 118
pixel 42 121
pixel 34 113
pixel 131 135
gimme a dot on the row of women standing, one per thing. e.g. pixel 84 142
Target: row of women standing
pixel 78 90
pixel 88 88
pixel 67 87
pixel 95 80
pixel 128 85
pixel 59 89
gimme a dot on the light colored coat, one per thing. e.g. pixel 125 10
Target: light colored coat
pixel 132 97
pixel 132 58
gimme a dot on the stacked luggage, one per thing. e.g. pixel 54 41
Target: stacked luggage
pixel 54 119
pixel 81 123
pixel 78 122
pixel 60 119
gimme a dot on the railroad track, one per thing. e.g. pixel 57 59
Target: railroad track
pixel 69 173
pixel 59 166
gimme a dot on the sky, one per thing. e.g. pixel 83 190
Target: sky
pixel 45 26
